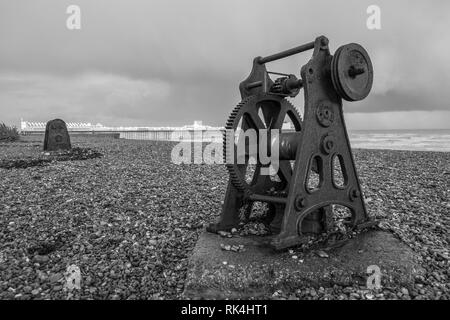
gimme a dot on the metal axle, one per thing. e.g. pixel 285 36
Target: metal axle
pixel 287 53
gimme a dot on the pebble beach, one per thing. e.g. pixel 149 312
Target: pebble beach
pixel 130 218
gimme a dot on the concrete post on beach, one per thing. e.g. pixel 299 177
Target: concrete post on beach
pixel 56 136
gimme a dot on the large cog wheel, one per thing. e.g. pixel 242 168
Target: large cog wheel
pixel 262 111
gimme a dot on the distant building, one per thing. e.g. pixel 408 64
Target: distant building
pixel 35 127
pixel 287 125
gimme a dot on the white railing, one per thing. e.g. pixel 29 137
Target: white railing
pixel 206 135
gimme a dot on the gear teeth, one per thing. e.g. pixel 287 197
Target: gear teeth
pixel 230 125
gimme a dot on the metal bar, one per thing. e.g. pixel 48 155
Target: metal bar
pixel 287 53
pixel 263 198
pixel 255 84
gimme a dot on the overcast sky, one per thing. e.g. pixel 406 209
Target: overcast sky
pixel 170 62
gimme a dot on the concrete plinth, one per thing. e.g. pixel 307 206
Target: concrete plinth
pixel 258 271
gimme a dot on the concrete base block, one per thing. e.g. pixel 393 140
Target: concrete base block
pixel 258 271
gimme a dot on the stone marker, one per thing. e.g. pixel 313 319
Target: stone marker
pixel 56 136
pixel 214 273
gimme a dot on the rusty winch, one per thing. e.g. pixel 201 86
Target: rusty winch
pixel 311 145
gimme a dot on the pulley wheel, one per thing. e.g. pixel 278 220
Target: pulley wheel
pixel 352 72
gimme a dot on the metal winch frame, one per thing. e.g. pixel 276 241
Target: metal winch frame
pixel 315 142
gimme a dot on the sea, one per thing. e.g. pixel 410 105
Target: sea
pixel 415 140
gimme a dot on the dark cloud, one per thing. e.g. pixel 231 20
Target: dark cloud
pixel 169 62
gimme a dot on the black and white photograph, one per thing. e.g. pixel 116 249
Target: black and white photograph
pixel 224 153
